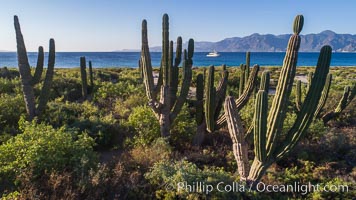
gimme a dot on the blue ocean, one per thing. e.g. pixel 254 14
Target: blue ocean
pixel 130 59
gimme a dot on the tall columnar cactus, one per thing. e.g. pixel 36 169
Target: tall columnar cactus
pixel 347 97
pixel 324 96
pixel 244 97
pixel 27 80
pixel 310 77
pixel 214 97
pixel 169 105
pixel 91 76
pixel 242 79
pixel 268 128
pixel 265 79
pixel 39 67
pixel 245 72
pixel 83 75
pixel 247 66
pixel 298 95
pixel 264 85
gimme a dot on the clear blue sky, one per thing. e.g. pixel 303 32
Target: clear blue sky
pixel 107 25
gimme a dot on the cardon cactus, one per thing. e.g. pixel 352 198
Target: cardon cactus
pixel 268 146
pixel 347 97
pixel 91 76
pixel 264 85
pixel 27 80
pixel 245 72
pixel 244 97
pixel 83 75
pixel 298 95
pixel 169 105
pixel 324 96
pixel 214 97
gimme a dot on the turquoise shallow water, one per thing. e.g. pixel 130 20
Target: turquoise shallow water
pixel 130 59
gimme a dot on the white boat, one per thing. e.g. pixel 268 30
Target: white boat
pixel 213 54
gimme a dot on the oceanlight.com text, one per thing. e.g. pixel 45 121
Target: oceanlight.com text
pixel 296 187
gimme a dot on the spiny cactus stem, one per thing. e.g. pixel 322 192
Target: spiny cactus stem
pixel 285 83
pixel 243 99
pixel 298 95
pixel 240 147
pixel 91 78
pixel 324 96
pixel 25 71
pixel 39 67
pixel 83 74
pixel 45 92
pixel 306 114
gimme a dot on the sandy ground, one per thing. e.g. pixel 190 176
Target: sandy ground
pixel 304 78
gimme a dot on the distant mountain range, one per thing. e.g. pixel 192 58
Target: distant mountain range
pixel 278 43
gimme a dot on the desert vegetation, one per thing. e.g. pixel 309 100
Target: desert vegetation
pixel 128 135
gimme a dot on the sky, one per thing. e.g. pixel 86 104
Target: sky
pixel 109 25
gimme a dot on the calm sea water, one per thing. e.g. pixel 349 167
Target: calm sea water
pixel 130 59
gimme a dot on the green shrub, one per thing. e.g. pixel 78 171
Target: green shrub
pixel 42 148
pixel 123 108
pixel 171 177
pixel 109 90
pixel 83 117
pixel 9 85
pixel 183 128
pixel 145 124
pixel 11 108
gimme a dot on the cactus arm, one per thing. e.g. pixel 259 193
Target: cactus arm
pixel 324 96
pixel 242 79
pixel 310 77
pixel 45 92
pixel 298 95
pixel 247 67
pixel 248 59
pixel 165 50
pixel 187 78
pixel 146 65
pixel 178 58
pixel 210 95
pixel 306 114
pixel 265 79
pixel 260 163
pixel 25 71
pixel 221 93
pixel 352 94
pixel 343 102
pixel 83 74
pixel 260 125
pixel 39 67
pixel 199 105
pixel 347 97
pixel 279 105
pixel 240 147
pixel 264 85
pixel 243 99
pixel 91 78
pixel 199 112
pixel 175 70
pixel 164 118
